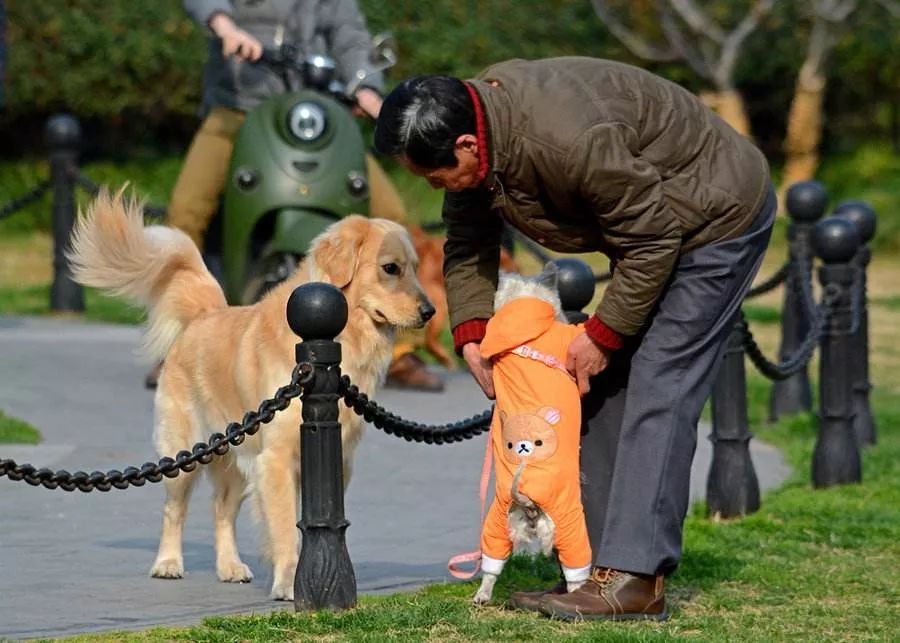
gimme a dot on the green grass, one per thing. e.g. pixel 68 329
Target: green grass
pixel 16 431
pixel 761 314
pixel 35 300
pixel 811 565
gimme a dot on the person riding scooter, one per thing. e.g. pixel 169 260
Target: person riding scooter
pixel 233 85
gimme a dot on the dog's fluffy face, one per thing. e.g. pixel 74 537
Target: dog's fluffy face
pixel 543 286
pixel 374 262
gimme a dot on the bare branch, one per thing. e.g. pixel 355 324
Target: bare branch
pixel 632 42
pixel 696 60
pixel 736 38
pixel 697 20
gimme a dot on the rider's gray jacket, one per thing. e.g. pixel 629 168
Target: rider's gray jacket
pixel 335 28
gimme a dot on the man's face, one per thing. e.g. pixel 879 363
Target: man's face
pixel 462 176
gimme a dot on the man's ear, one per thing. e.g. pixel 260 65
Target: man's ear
pixel 467 143
pixel 549 276
pixel 336 251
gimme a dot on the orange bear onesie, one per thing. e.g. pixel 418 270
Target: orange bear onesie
pixel 538 420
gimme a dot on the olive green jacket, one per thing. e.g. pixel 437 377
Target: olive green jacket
pixel 592 155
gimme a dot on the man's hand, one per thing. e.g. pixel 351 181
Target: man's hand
pixel 368 103
pixel 481 369
pixel 234 39
pixel 585 359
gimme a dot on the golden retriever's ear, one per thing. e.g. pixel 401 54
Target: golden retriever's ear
pixel 336 251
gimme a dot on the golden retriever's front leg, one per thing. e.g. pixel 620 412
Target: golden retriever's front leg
pixel 169 560
pixel 277 473
pixel 228 493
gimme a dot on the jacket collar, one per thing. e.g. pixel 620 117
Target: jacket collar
pixel 495 102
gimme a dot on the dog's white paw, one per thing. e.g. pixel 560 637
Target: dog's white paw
pixel 282 591
pixel 168 568
pixel 234 572
pixel 481 597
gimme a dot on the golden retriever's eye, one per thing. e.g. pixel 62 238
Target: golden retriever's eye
pixel 391 268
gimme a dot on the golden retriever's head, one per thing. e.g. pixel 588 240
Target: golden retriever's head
pixel 374 263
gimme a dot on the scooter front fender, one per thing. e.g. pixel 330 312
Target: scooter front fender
pixel 293 231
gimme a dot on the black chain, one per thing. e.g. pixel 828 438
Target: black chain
pixel 771 283
pixel 411 431
pixel 802 355
pixel 26 199
pixel 152 211
pixel 202 452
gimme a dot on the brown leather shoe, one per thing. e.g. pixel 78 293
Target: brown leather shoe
pixel 532 601
pixel 152 378
pixel 409 372
pixel 612 595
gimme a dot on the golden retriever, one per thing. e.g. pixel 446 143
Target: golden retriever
pixel 221 361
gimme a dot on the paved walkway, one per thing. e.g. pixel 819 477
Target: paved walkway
pixel 73 563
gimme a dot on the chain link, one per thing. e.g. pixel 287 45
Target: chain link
pixel 25 200
pixel 771 283
pixel 802 355
pixel 411 431
pixel 202 452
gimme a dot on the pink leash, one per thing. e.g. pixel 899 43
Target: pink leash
pixel 474 556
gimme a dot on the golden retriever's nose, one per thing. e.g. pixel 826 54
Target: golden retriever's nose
pixel 426 311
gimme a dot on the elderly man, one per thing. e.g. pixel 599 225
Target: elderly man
pixel 586 155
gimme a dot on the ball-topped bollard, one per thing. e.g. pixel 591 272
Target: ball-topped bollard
pixel 324 579
pixel 861 214
pixel 317 311
pixel 835 240
pixel 836 458
pixel 806 201
pixel 575 283
pixel 62 131
pixel 62 135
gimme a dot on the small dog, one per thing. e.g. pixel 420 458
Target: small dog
pixel 221 361
pixel 535 434
pixel 430 250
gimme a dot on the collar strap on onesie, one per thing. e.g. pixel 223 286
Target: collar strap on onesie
pixel 481 133
pixel 549 360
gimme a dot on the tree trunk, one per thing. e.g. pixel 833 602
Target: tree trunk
pixel 730 106
pixel 804 129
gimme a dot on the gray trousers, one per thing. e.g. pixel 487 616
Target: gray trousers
pixel 640 418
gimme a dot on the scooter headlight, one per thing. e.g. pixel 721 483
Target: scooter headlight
pixel 307 121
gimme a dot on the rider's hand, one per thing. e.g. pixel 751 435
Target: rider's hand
pixel 584 359
pixel 234 39
pixel 481 368
pixel 368 103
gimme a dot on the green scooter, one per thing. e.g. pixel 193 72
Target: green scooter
pixel 298 166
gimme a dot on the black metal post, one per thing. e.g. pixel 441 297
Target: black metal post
pixel 862 215
pixel 576 284
pixel 836 458
pixel 62 135
pixel 806 202
pixel 732 488
pixel 317 312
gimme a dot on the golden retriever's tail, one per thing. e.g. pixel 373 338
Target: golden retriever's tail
pixel 157 267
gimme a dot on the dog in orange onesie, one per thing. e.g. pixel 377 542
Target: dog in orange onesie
pixel 535 432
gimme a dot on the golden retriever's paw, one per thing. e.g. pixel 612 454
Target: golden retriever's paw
pixel 234 572
pixel 167 568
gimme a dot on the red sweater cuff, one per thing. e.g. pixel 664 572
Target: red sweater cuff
pixel 468 331
pixel 603 335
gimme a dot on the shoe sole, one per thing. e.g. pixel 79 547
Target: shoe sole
pixel 565 616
